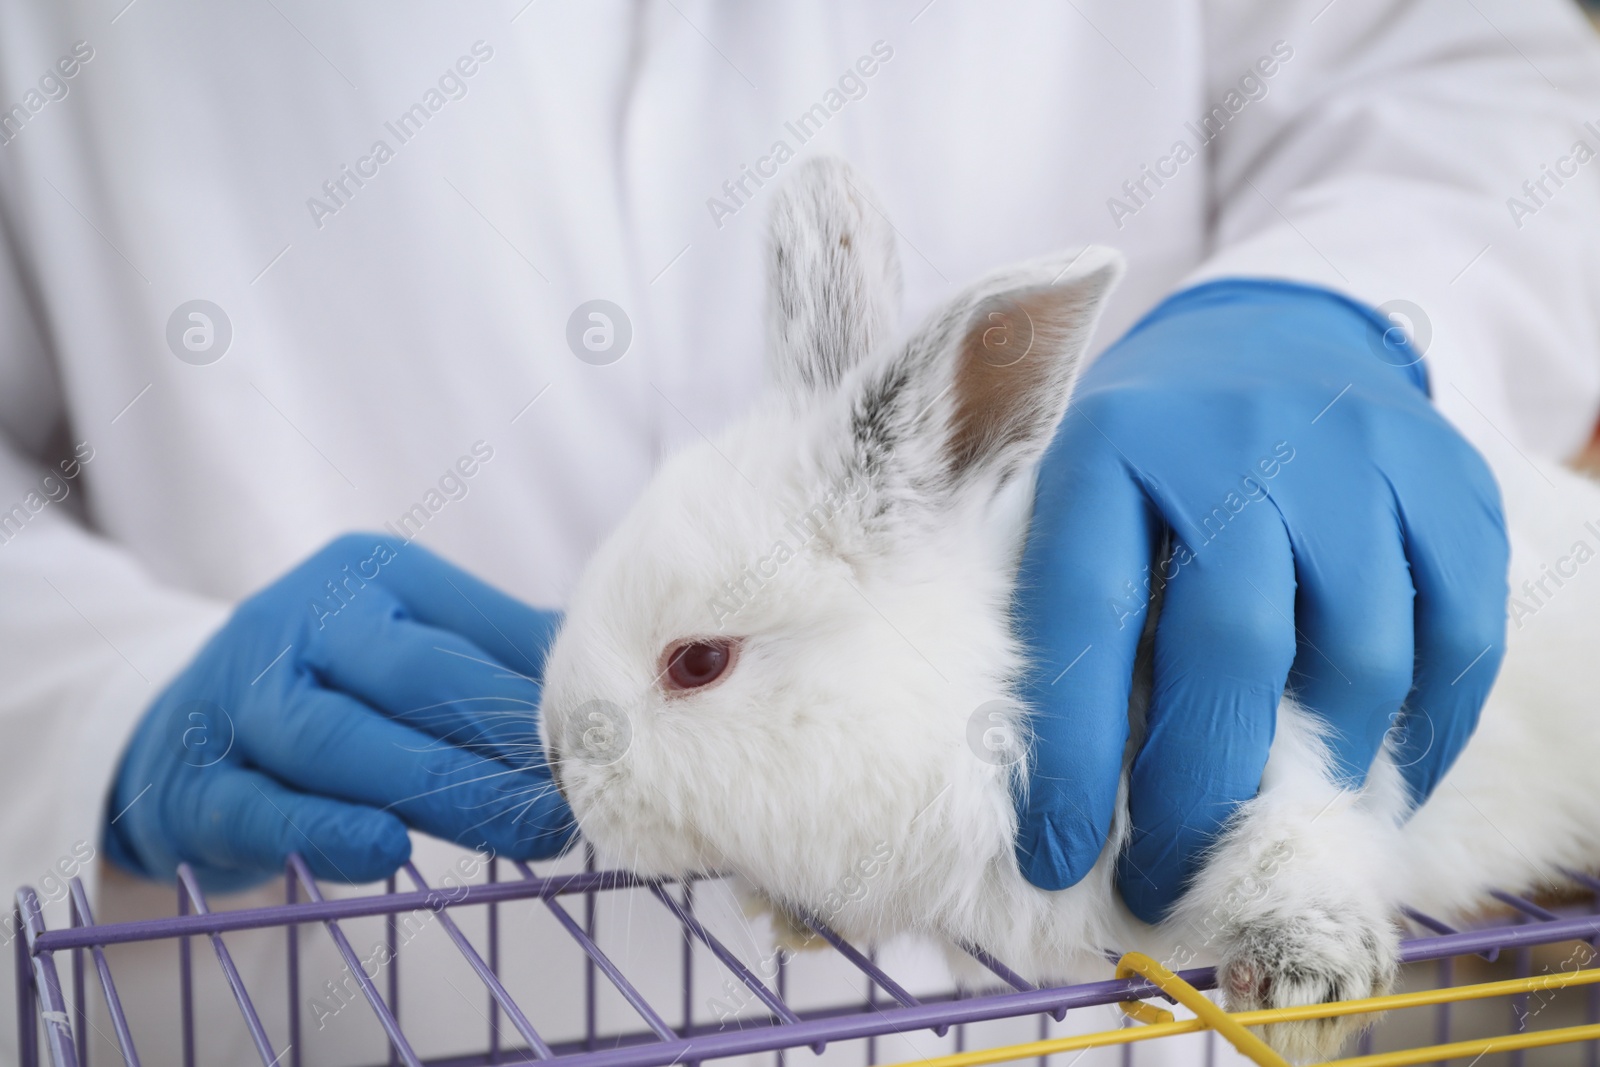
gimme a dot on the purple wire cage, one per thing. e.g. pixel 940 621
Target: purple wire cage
pixel 47 1020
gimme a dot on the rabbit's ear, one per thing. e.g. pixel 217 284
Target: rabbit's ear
pixel 833 278
pixel 977 393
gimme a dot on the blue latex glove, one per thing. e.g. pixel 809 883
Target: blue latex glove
pixel 372 688
pixel 1330 532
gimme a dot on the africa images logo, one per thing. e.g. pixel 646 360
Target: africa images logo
pixel 852 85
pixel 339 190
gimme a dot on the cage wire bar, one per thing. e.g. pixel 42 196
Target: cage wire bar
pixel 46 1026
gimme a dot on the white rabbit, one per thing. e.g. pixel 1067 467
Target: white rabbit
pixel 772 667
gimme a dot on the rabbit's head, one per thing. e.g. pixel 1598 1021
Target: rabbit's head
pixel 771 666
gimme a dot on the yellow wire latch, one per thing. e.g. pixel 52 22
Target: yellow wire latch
pixel 1232 1026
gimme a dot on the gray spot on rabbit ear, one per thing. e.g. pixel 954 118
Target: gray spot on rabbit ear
pixel 878 419
pixel 833 278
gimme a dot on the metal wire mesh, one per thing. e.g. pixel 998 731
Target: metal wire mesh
pixel 51 1024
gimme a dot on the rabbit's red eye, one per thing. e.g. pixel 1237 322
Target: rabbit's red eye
pixel 696 664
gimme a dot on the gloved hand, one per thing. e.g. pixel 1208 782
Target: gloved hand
pixel 372 688
pixel 1329 531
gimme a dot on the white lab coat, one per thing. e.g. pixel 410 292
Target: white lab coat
pixel 381 330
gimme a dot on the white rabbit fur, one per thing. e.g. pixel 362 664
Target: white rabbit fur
pixel 839 737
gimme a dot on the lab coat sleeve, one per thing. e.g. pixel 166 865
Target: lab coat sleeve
pixel 87 637
pixel 1436 159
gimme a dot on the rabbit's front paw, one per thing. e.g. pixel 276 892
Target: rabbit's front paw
pixel 1311 956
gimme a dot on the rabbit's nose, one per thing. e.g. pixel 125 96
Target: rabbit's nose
pixel 553 754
